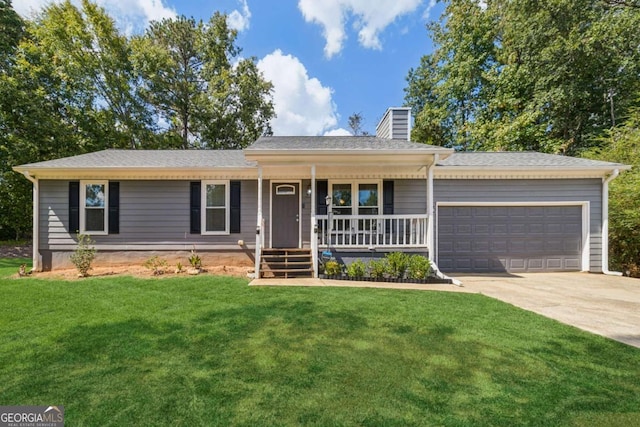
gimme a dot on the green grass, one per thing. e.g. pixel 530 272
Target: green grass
pixel 212 351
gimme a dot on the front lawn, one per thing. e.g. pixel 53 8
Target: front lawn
pixel 194 351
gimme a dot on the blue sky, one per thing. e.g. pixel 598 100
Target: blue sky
pixel 327 59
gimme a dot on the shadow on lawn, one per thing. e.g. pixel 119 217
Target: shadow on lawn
pixel 290 362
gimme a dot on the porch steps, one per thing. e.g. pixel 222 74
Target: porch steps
pixel 286 263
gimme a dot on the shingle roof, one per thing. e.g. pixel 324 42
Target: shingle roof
pixel 138 159
pixel 337 143
pixel 523 159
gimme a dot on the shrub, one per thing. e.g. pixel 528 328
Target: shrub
pixel 356 269
pixel 419 267
pixel 398 263
pixel 332 268
pixel 83 255
pixel 195 260
pixel 156 264
pixel 378 268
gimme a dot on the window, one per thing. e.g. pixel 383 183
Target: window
pixel 342 204
pixel 215 207
pixel 286 190
pixel 368 199
pixel 94 209
pixel 366 203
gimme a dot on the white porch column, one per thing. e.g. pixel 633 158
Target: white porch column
pixel 430 210
pixel 314 223
pixel 259 229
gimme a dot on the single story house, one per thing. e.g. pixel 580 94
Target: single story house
pixel 281 202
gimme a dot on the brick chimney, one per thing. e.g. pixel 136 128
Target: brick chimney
pixel 395 124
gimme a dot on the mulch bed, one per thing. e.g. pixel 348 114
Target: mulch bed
pixel 10 251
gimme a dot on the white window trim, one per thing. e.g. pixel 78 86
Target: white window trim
pixel 203 207
pixel 355 192
pixel 83 203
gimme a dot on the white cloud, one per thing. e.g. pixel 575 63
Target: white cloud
pixel 427 11
pixel 302 104
pixel 371 18
pixel 130 15
pixel 338 132
pixel 239 20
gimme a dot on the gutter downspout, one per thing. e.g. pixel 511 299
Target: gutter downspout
pixel 605 223
pixel 431 236
pixel 36 221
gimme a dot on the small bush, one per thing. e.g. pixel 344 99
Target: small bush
pixel 195 260
pixel 378 268
pixel 332 268
pixel 356 269
pixel 83 255
pixel 156 264
pixel 398 263
pixel 419 267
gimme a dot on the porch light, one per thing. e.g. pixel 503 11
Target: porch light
pixel 309 190
pixel 327 200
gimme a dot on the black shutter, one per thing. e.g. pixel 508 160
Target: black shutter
pixel 195 207
pixel 114 207
pixel 322 190
pixel 387 197
pixel 74 207
pixel 234 205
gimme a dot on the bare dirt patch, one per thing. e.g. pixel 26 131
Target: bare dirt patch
pixel 141 272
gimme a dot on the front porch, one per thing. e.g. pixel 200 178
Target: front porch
pixel 372 231
pixel 358 195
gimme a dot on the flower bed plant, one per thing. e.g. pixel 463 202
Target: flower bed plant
pixel 394 267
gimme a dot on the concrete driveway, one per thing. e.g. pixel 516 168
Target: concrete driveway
pixel 605 305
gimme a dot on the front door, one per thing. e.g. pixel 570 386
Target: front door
pixel 285 214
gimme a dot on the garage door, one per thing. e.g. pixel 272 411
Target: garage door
pixel 509 238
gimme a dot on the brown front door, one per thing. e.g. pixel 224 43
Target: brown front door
pixel 285 215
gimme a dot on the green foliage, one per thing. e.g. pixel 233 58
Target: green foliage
pixel 419 267
pixel 193 84
pixel 194 260
pixel 71 82
pixel 378 268
pixel 156 264
pixel 332 268
pixel 357 269
pixel 622 145
pixel 11 30
pixel 512 75
pixel 83 256
pixel 398 263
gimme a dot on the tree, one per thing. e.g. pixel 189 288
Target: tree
pixel 515 75
pixel 622 145
pixel 11 29
pixel 355 124
pixel 195 88
pixel 94 61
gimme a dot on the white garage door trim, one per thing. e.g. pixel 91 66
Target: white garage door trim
pixel 585 221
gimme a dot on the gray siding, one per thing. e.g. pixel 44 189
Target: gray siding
pixel 400 124
pixel 395 124
pixel 410 196
pixel 541 190
pixel 153 213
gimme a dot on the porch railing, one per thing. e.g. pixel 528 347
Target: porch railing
pixel 372 230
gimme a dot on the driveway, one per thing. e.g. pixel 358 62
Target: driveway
pixel 605 305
